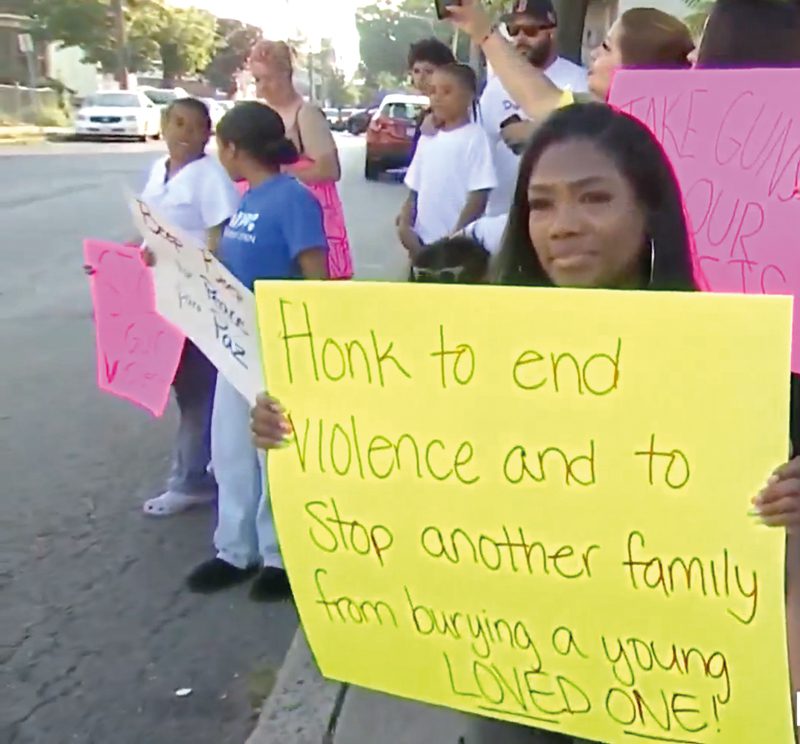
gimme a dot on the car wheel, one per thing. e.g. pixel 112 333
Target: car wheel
pixel 372 170
pixel 142 138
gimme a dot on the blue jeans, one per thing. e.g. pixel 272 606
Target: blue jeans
pixel 194 392
pixel 245 534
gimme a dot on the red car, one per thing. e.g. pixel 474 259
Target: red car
pixel 390 136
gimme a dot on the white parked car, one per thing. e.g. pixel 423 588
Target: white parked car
pixel 163 97
pixel 120 113
pixel 215 110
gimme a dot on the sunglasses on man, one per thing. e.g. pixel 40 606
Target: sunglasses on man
pixel 528 28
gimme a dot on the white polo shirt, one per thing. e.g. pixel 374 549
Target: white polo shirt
pixel 198 197
pixel 497 106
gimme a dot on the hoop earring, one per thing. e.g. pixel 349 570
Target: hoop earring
pixel 652 261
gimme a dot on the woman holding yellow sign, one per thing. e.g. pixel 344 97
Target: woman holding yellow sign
pixel 596 206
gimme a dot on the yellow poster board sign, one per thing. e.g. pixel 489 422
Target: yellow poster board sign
pixel 532 504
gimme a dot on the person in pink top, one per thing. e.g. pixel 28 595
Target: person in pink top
pixel 318 168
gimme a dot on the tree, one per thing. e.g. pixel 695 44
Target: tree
pixel 696 20
pixel 183 40
pixel 235 40
pixel 387 30
pixel 339 93
pixel 88 24
pixel 571 23
pixel 187 39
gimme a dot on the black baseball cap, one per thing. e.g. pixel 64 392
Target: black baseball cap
pixel 541 11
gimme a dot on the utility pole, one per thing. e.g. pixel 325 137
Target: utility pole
pixel 118 9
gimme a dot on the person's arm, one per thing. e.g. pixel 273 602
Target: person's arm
pixel 480 178
pixel 408 215
pixel 405 226
pixel 473 209
pixel 528 86
pixel 269 424
pixel 408 212
pixel 319 146
pixel 314 263
pixel 778 505
pixel 304 232
pixel 215 236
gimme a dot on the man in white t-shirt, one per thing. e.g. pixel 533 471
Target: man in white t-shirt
pixel 533 28
pixel 448 173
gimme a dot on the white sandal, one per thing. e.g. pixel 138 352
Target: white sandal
pixel 172 502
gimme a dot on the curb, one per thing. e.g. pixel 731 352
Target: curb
pixel 25 135
pixel 28 140
pixel 303 707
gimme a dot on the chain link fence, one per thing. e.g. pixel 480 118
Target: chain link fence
pixel 26 105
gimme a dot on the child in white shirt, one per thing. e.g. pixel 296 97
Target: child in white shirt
pixel 194 192
pixel 452 173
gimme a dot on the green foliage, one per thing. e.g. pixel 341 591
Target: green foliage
pixel 388 29
pixel 85 23
pixel 183 40
pixel 340 94
pixel 700 10
pixel 52 116
pixel 235 40
pixel 187 40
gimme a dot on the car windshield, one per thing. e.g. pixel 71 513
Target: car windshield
pixel 120 100
pixel 161 97
pixel 404 111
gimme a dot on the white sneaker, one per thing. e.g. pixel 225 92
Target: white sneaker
pixel 172 502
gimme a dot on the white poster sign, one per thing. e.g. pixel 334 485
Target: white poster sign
pixel 198 295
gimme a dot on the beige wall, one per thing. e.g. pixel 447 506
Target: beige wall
pixel 674 7
pixel 599 17
pixel 67 65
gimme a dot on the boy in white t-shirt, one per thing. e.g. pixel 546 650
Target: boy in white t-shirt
pixel 452 174
pixel 194 192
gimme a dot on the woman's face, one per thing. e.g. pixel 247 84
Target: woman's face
pixel 585 222
pixel 270 80
pixel 606 60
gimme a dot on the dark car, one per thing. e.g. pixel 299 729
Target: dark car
pixel 358 122
pixel 390 135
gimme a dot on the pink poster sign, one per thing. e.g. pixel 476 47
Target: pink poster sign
pixel 733 137
pixel 138 352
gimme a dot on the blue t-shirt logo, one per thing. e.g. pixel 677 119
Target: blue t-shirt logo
pixel 243 220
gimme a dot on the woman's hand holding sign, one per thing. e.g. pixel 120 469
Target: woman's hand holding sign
pixel 269 424
pixel 778 504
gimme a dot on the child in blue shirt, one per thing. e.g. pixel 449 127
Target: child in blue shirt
pixel 278 233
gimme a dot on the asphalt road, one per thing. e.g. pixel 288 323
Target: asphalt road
pixel 96 629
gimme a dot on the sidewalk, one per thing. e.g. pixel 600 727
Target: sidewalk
pixel 25 133
pixel 306 709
